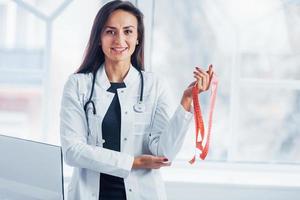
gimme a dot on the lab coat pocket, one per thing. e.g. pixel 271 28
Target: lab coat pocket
pixel 94 129
pixel 142 120
pixel 142 123
pixel 141 129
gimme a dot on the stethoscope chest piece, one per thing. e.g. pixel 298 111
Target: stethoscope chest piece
pixel 139 107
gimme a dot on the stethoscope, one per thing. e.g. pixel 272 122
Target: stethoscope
pixel 139 107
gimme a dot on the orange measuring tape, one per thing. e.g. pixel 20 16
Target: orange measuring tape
pixel 199 125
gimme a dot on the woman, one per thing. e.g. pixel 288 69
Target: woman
pixel 116 125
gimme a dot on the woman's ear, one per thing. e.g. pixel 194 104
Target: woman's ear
pixel 137 42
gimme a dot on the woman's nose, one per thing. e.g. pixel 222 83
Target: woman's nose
pixel 119 38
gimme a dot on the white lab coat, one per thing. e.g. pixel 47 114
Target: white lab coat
pixel 154 132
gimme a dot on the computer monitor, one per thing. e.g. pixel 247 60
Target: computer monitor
pixel 30 170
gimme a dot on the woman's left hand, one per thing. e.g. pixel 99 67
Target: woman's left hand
pixel 203 80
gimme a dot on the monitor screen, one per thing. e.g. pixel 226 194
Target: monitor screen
pixel 30 170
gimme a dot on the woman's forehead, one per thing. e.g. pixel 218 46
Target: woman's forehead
pixel 121 18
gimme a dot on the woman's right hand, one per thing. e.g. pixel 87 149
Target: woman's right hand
pixel 150 162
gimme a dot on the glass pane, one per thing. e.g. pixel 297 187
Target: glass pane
pixel 22 65
pixel 269 46
pixel 21 28
pixel 45 6
pixel 20 112
pixel 268 66
pixel 268 125
pixel 196 39
pixel 2 23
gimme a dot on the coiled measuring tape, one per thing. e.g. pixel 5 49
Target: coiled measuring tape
pixel 199 125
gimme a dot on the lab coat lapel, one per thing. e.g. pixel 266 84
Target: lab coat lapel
pixel 102 100
pixel 102 96
pixel 132 82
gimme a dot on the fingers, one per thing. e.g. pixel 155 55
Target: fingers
pixel 161 159
pixel 200 78
pixel 160 162
pixel 154 162
pixel 203 77
pixel 159 165
pixel 210 72
pixel 163 162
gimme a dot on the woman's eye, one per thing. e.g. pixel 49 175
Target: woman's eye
pixel 110 32
pixel 128 32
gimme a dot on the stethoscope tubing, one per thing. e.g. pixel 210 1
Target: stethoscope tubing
pixel 139 107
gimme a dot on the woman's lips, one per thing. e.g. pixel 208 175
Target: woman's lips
pixel 119 49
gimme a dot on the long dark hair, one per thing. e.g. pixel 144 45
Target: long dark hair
pixel 94 55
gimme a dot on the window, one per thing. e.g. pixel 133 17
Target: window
pixel 255 51
pixel 21 72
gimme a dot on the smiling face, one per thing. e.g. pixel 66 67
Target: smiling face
pixel 119 37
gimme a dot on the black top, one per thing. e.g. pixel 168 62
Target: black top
pixel 112 187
